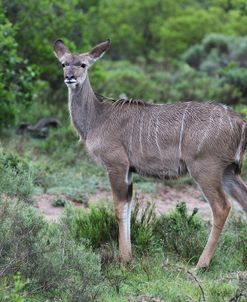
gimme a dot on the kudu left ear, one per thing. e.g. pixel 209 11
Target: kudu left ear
pixel 98 51
pixel 59 49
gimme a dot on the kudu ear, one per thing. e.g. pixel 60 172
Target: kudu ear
pixel 98 51
pixel 59 49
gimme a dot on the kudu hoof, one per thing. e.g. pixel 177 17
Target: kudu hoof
pixel 125 259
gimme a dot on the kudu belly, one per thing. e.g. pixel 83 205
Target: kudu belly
pixel 157 161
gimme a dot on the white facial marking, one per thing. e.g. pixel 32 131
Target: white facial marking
pixel 71 85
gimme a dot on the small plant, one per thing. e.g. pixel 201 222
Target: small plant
pixel 98 225
pixel 143 219
pixel 59 202
pixel 80 197
pixel 15 292
pixel 181 233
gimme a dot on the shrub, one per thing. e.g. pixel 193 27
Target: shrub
pixel 216 41
pixel 16 85
pixel 46 255
pixel 143 219
pixel 239 54
pixel 124 79
pixel 193 56
pixel 181 233
pixel 236 77
pixel 15 176
pixel 99 226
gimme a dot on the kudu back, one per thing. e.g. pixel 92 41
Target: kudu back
pixel 206 140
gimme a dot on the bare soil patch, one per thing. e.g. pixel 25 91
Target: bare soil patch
pixel 164 199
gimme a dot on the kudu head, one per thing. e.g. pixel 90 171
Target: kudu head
pixel 75 66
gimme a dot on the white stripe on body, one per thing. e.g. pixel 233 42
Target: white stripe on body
pixel 157 131
pixel 181 131
pixel 140 134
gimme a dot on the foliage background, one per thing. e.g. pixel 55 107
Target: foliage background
pixel 162 51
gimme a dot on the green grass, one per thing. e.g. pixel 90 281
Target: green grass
pixel 170 281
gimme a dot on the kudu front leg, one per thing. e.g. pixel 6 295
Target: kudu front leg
pixel 121 186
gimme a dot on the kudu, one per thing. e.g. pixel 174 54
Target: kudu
pixel 206 140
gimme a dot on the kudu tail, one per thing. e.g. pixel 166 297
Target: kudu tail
pixel 233 184
pixel 241 149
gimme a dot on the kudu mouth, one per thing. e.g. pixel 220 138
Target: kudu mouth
pixel 71 82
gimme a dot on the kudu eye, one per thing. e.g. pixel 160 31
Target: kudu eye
pixel 83 65
pixel 63 65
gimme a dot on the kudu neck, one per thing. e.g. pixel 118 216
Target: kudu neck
pixel 84 108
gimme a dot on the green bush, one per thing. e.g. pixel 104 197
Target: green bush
pixel 239 53
pixel 46 255
pixel 181 234
pixel 17 75
pixel 222 57
pixel 143 219
pixel 216 41
pixel 194 55
pixel 15 176
pixel 99 226
pixel 237 77
pixel 124 79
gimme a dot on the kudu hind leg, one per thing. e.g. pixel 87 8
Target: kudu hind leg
pixel 234 186
pixel 122 194
pixel 214 193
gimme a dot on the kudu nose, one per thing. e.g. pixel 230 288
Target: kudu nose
pixel 69 77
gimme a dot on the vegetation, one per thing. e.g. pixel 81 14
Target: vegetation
pixel 39 259
pixel 169 54
pixel 163 52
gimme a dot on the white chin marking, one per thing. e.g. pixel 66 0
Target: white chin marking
pixel 72 85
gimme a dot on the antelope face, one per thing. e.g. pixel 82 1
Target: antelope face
pixel 74 69
pixel 75 66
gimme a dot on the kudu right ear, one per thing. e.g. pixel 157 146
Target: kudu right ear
pixel 98 51
pixel 59 49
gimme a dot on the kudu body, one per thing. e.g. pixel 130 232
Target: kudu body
pixel 205 140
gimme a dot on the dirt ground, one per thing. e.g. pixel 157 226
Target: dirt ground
pixel 164 199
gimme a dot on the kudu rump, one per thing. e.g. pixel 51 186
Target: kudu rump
pixel 205 140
